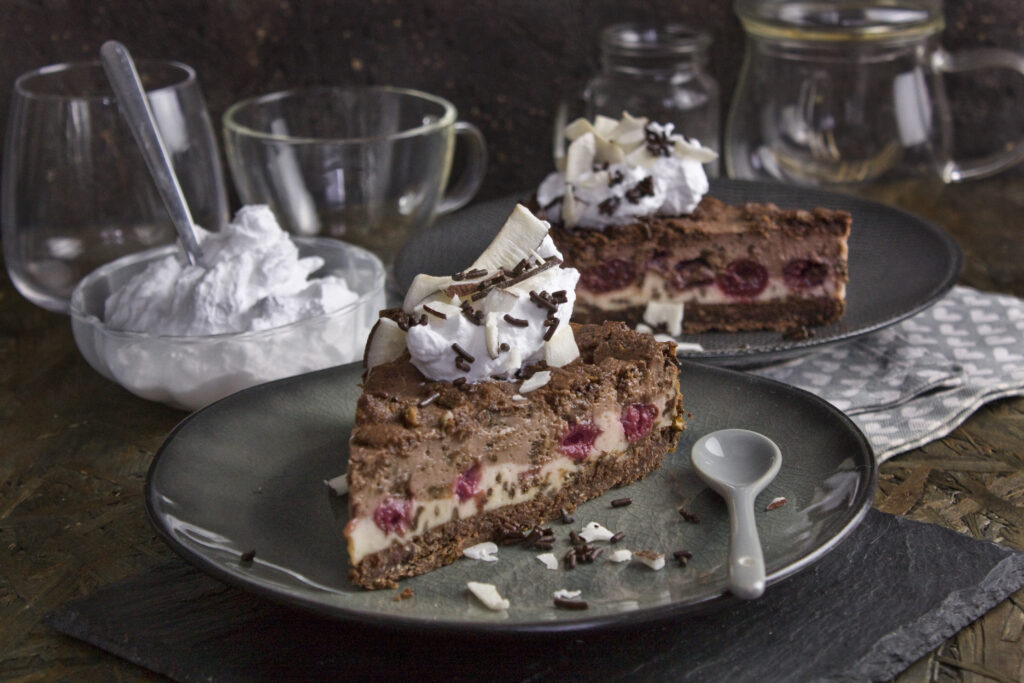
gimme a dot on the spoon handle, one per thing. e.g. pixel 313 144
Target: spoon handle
pixel 746 562
pixel 131 96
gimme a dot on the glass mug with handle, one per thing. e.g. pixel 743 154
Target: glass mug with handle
pixel 366 164
pixel 848 92
pixel 76 191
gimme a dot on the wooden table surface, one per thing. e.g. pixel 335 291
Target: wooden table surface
pixel 75 448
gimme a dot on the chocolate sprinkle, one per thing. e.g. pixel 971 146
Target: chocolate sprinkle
pixel 438 314
pixel 562 603
pixel 462 353
pixel 247 557
pixel 618 536
pixel 461 364
pixel 691 517
pixel 503 346
pixel 622 502
pixel 518 322
pixel 551 328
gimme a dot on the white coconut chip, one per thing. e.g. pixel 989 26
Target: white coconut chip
pixel 684 347
pixel 338 485
pixel 535 381
pixel 488 594
pixel 486 551
pixel 564 594
pixel 667 313
pixel 622 555
pixel 595 532
pixel 548 560
pixel 652 559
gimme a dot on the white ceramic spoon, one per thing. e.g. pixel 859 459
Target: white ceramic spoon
pixel 739 464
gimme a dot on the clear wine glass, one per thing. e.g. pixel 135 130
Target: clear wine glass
pixel 76 192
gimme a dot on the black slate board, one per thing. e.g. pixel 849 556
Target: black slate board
pixel 893 591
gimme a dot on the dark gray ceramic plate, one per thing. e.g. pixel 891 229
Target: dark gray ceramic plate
pixel 247 473
pixel 899 265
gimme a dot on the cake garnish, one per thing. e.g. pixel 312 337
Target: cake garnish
pixel 617 170
pixel 486 552
pixel 652 559
pixel 503 317
pixel 623 555
pixel 548 560
pixel 487 593
pixel 595 532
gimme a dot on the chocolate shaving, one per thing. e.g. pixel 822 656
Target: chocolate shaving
pixel 608 206
pixel 658 144
pixel 645 188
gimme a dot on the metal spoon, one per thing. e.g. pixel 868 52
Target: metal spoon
pixel 131 96
pixel 739 464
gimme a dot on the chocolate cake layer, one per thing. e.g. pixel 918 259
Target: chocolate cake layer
pixel 435 467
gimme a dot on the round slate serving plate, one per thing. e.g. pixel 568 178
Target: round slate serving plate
pixel 899 265
pixel 247 474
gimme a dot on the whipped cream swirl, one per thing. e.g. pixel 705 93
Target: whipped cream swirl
pixel 505 317
pixel 616 171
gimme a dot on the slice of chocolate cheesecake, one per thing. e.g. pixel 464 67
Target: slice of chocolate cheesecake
pixel 484 412
pixel 721 267
pixel 629 211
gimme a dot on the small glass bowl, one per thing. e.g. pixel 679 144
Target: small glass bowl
pixel 192 372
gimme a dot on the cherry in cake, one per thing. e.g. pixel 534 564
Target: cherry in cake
pixel 484 410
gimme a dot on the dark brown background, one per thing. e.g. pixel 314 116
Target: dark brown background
pixel 504 63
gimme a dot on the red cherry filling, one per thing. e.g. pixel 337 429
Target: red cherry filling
pixel 804 273
pixel 392 515
pixel 692 273
pixel 607 276
pixel 578 440
pixel 637 420
pixel 467 483
pixel 743 279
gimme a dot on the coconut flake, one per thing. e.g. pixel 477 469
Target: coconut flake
pixel 548 560
pixel 535 381
pixel 338 485
pixel 595 532
pixel 486 551
pixel 565 594
pixel 652 559
pixel 667 313
pixel 488 594
pixel 691 347
pixel 622 555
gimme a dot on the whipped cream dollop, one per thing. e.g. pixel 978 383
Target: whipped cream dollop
pixel 617 170
pixel 251 278
pixel 509 311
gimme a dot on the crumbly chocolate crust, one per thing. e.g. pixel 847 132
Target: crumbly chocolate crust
pixel 398 431
pixel 738 317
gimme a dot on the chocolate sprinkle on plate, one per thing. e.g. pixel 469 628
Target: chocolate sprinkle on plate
pixel 622 502
pixel 562 603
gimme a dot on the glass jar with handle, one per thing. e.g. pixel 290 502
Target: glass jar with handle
pixel 848 92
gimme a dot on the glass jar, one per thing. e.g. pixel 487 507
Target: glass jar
pixel 658 72
pixel 851 92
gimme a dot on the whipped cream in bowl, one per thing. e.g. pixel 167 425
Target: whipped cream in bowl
pixel 261 306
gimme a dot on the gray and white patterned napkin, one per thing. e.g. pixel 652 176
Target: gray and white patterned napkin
pixel 916 381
